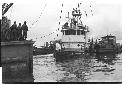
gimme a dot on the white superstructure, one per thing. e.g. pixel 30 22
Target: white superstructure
pixel 74 36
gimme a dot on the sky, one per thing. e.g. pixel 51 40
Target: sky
pixel 106 19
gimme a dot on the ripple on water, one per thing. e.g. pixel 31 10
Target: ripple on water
pixel 90 68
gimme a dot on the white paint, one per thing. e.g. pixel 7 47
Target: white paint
pixel 73 38
pixel 58 47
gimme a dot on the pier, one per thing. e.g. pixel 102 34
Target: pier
pixel 17 60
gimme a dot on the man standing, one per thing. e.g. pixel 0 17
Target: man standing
pixel 19 32
pixel 24 29
pixel 14 31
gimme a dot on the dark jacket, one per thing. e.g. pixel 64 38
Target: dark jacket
pixel 24 27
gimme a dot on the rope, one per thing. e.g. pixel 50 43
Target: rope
pixel 39 16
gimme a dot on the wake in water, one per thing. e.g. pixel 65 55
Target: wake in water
pixel 90 68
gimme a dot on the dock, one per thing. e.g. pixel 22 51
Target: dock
pixel 17 60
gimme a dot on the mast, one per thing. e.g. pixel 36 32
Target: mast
pixel 76 17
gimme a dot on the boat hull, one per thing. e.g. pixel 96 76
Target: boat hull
pixel 106 50
pixel 42 51
pixel 66 55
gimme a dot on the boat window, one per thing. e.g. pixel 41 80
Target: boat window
pixel 72 32
pixel 66 32
pixel 63 32
pixel 82 32
pixel 78 32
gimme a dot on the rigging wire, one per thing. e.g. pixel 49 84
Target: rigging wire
pixel 39 16
pixel 52 32
pixel 68 20
pixel 91 10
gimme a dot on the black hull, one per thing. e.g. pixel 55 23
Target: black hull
pixel 61 56
pixel 105 50
pixel 42 52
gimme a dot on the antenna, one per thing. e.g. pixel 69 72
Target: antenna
pixel 68 15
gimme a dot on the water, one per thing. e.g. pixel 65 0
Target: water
pixel 89 68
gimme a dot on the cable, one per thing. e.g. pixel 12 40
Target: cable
pixel 39 16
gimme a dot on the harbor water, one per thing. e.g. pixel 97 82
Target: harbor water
pixel 85 68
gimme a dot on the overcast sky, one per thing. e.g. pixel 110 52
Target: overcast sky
pixel 106 17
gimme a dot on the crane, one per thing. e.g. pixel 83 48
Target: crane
pixel 5 7
pixel 5 32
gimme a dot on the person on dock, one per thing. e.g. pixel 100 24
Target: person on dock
pixel 24 29
pixel 14 31
pixel 19 31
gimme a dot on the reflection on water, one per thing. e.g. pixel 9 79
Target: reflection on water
pixel 106 58
pixel 87 68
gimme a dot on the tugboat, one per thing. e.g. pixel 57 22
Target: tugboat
pixel 107 44
pixel 48 49
pixel 74 37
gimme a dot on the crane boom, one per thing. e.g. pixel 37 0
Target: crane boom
pixel 5 7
